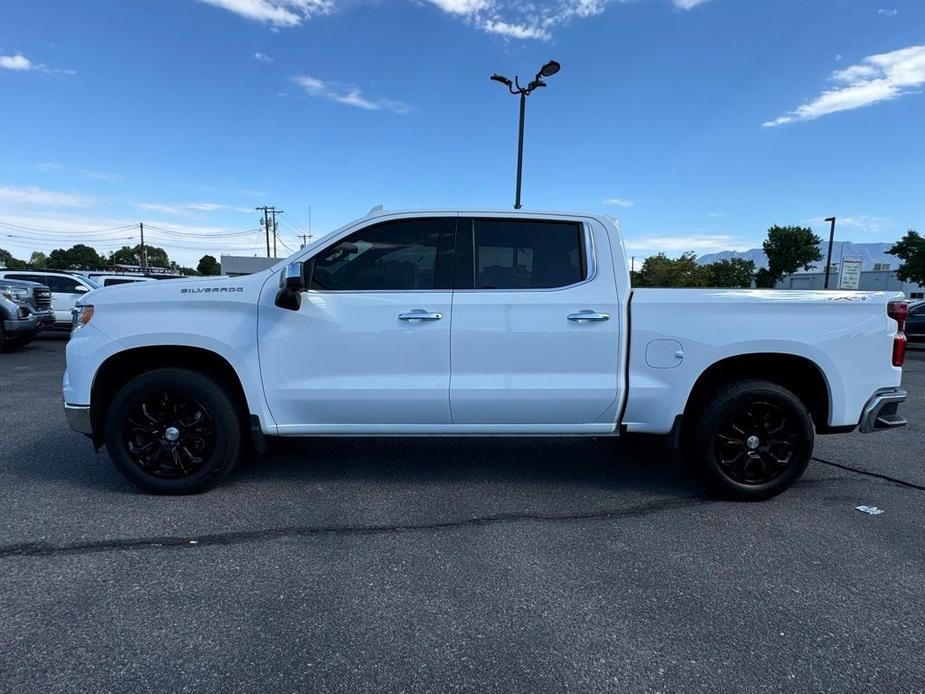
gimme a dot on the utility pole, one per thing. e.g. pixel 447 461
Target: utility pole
pixel 267 211
pixel 274 212
pixel 828 260
pixel 305 239
pixel 143 259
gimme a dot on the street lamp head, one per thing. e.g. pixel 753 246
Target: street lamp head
pixel 502 79
pixel 830 219
pixel 535 84
pixel 549 69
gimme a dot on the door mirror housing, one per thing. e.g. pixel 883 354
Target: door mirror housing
pixel 294 280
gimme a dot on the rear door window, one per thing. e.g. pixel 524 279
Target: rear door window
pixel 526 254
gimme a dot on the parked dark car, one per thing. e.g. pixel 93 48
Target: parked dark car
pixel 25 309
pixel 915 324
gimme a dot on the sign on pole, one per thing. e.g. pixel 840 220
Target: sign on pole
pixel 850 275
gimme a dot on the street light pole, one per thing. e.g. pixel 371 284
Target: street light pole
pixel 520 148
pixel 548 70
pixel 828 260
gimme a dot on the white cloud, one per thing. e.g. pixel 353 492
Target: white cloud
pixel 262 57
pixel 619 202
pixel 48 166
pixel 888 12
pixel 189 207
pixel 521 19
pixel 693 242
pixel 864 222
pixel 278 13
pixel 347 95
pixel 16 62
pixel 688 4
pixel 101 175
pixel 515 31
pixel 21 63
pixel 877 78
pixel 33 195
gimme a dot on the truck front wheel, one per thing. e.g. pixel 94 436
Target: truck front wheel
pixel 173 431
pixel 751 441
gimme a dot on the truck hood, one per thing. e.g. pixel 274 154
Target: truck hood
pixel 176 290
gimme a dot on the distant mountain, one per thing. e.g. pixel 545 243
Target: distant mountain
pixel 871 253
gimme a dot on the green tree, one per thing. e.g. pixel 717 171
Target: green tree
pixel 735 272
pixel 38 260
pixel 7 260
pixel 661 271
pixel 157 257
pixel 126 256
pixel 186 271
pixel 910 249
pixel 788 249
pixel 77 257
pixel 208 265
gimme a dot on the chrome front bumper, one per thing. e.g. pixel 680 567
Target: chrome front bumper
pixel 78 417
pixel 882 411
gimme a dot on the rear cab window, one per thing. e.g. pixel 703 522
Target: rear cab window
pixel 519 254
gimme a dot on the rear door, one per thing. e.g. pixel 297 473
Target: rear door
pixel 536 326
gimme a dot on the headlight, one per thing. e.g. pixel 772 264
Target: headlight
pixel 14 293
pixel 82 316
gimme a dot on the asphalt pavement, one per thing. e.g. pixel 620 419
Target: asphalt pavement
pixel 442 565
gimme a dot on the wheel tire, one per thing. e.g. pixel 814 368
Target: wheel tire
pixel 151 394
pixel 732 448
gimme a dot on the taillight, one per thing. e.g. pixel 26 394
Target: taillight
pixel 899 311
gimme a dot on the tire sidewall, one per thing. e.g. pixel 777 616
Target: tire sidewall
pixel 209 395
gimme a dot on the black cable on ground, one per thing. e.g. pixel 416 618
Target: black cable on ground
pixel 894 480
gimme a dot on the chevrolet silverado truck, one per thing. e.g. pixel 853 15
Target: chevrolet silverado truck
pixel 476 324
pixel 25 309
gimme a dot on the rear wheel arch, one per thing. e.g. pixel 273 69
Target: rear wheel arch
pixel 798 374
pixel 123 366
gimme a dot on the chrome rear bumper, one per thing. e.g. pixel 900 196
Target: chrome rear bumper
pixel 882 411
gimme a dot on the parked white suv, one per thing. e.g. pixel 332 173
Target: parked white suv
pixel 485 323
pixel 66 288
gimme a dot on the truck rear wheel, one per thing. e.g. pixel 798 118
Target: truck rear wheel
pixel 752 441
pixel 173 431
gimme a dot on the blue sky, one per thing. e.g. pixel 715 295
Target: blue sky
pixel 698 123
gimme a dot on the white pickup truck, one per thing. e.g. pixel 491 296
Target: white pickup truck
pixel 476 323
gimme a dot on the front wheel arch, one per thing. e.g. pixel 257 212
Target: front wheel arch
pixel 122 367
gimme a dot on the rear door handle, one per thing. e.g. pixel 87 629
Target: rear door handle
pixel 588 315
pixel 419 314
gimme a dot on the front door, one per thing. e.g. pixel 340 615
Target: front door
pixel 369 349
pixel 536 327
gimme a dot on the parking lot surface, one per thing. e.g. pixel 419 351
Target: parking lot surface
pixel 438 565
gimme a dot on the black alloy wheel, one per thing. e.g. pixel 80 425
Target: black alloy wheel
pixel 169 435
pixel 756 443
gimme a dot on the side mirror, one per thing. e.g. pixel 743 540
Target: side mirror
pixel 292 283
pixel 80 289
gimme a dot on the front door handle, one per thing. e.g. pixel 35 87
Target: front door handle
pixel 588 315
pixel 420 314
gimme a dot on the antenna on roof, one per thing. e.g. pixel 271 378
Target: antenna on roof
pixel 377 208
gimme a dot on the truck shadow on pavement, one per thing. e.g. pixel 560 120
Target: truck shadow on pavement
pixel 602 463
pixel 538 464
